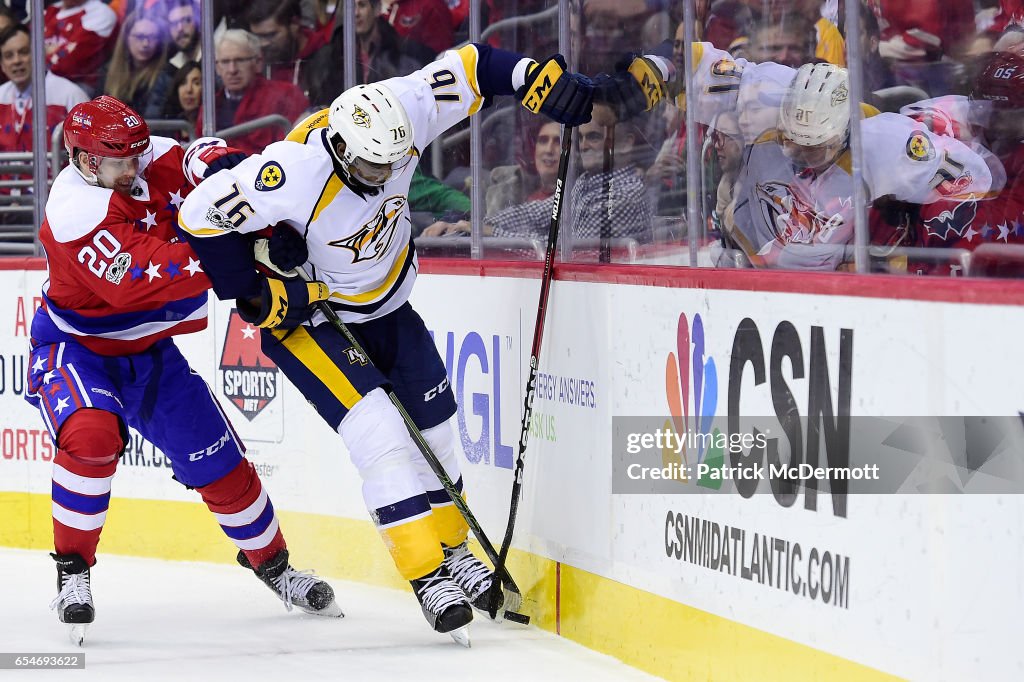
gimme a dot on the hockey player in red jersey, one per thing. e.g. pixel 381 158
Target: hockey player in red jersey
pixel 121 285
pixel 993 119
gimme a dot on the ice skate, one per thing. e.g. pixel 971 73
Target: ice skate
pixel 295 588
pixel 74 596
pixel 444 604
pixel 474 578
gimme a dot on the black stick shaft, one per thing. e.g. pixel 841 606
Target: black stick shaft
pixel 538 336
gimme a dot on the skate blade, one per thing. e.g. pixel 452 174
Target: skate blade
pixel 461 636
pixel 332 610
pixel 76 633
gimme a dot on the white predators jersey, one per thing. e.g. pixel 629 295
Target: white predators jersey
pixel 802 219
pixel 361 246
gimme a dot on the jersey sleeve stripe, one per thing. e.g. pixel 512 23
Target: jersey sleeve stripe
pixel 301 132
pixel 200 231
pixel 327 195
pixel 469 56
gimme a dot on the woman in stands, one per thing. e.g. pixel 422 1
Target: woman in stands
pixel 137 73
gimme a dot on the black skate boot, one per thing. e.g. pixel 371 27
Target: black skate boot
pixel 444 604
pixel 473 576
pixel 74 596
pixel 295 588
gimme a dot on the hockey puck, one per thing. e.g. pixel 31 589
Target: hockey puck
pixel 517 618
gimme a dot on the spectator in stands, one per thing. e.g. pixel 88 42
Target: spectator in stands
pixel 787 40
pixel 533 177
pixel 16 93
pixel 7 17
pixel 919 38
pixel 246 95
pixel 185 96
pixel 428 22
pixel 827 41
pixel 604 204
pixel 138 74
pixel 287 46
pixel 382 53
pixel 877 74
pixel 79 35
pixel 183 24
pixel 431 201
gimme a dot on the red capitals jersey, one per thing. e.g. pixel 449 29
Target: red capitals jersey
pixel 120 277
pixel 932 25
pixel 79 39
pixel 1010 12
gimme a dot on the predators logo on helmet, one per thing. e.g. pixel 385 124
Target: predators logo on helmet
pixel 360 117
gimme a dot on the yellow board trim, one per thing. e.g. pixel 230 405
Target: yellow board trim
pixel 305 348
pixel 389 281
pixel 655 634
pixel 469 57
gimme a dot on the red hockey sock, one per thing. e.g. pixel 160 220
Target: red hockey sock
pixel 245 513
pixel 89 443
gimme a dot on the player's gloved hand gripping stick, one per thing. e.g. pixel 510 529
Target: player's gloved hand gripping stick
pixel 513 596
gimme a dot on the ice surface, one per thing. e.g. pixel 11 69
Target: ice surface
pixel 163 620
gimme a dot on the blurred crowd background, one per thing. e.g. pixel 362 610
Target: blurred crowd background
pixel 922 179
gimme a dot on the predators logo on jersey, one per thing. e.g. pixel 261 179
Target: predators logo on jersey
pixel 360 117
pixel 919 147
pixel 374 238
pixel 271 176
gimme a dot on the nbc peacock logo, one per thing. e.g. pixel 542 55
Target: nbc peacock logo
pixel 691 387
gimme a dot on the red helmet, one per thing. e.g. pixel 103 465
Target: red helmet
pixel 105 127
pixel 1002 81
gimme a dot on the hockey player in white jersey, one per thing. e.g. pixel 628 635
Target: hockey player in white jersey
pixel 338 186
pixel 793 203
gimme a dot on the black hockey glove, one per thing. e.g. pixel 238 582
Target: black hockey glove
pixel 562 96
pixel 287 248
pixel 637 85
pixel 283 303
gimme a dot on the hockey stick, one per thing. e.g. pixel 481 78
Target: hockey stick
pixel 513 596
pixel 538 335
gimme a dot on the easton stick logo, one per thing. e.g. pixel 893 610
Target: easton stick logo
pixel 691 388
pixel 250 378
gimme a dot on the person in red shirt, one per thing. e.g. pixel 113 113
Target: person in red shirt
pixel 79 35
pixel 16 93
pixel 287 44
pixel 246 95
pixel 426 21
pixel 121 285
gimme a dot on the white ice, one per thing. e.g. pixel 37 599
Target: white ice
pixel 163 620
